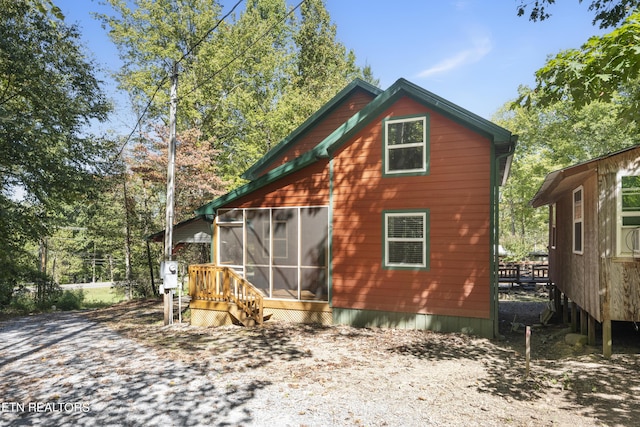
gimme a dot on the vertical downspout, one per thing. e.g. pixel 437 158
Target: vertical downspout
pixel 495 234
pixel 330 234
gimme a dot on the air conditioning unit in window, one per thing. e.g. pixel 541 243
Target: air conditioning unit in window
pixel 635 242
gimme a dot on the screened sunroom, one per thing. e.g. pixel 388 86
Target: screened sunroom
pixel 281 251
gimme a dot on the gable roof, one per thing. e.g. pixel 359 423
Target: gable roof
pixel 502 139
pixel 192 230
pixel 559 181
pixel 358 84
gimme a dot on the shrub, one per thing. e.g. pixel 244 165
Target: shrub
pixel 6 293
pixel 71 300
pixel 47 294
pixel 22 300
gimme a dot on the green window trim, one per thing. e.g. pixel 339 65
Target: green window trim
pixel 405 141
pixel 405 238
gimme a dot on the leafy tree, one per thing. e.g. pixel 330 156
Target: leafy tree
pixel 608 13
pixel 551 138
pixel 245 81
pixel 606 68
pixel 152 35
pixel 48 92
pixel 322 65
pixel 196 180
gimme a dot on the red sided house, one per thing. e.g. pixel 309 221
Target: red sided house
pixel 379 210
pixel 594 241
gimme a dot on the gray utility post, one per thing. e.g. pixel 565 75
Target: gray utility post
pixel 168 233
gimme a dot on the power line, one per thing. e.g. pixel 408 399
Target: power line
pixel 144 112
pixel 164 80
pixel 208 79
pixel 220 21
pixel 243 52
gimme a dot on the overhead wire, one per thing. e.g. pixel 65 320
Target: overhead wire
pixel 204 37
pixel 144 112
pixel 244 51
pixel 163 81
pixel 210 77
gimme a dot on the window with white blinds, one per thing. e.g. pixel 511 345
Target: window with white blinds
pixel 406 239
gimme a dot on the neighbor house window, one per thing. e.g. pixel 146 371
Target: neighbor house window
pixel 629 219
pixel 406 239
pixel 630 201
pixel 578 220
pixel 406 147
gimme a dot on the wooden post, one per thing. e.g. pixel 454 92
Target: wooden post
pixel 565 310
pixel 528 350
pixel 226 288
pixel 591 331
pixel 574 317
pixel 168 232
pixel 583 321
pixel 606 326
pixel 606 338
pixel 192 281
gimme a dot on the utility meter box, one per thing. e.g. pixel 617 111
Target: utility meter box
pixel 169 273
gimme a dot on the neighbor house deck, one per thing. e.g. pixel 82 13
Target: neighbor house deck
pixel 523 274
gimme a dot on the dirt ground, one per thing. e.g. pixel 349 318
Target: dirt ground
pixel 310 375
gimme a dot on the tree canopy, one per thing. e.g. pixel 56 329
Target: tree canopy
pixel 48 93
pixel 606 68
pixel 608 13
pixel 246 80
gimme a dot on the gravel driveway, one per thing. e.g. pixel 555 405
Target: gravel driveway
pixel 66 370
pixel 125 368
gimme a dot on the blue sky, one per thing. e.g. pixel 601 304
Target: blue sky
pixel 474 53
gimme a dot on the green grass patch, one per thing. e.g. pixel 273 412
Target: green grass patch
pixel 102 297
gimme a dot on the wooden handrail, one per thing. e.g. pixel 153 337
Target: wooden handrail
pixel 246 296
pixel 210 282
pixel 204 283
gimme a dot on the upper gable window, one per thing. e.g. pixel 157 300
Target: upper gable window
pixel 406 145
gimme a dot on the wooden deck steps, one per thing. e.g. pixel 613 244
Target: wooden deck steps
pixel 241 318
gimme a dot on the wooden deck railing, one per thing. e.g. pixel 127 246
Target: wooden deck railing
pixel 524 274
pixel 211 282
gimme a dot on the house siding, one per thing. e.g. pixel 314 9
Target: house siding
pixel 574 274
pixel 334 119
pixel 585 279
pixel 456 192
pixel 307 187
pixel 619 275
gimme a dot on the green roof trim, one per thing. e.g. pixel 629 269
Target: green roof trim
pixel 402 87
pixel 273 175
pixel 292 138
pixel 502 139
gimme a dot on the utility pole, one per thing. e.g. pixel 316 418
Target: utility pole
pixel 168 231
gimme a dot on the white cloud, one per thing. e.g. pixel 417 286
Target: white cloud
pixel 480 48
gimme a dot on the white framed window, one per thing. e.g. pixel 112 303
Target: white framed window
pixel 406 239
pixel 578 220
pixel 628 211
pixel 406 145
pixel 630 200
